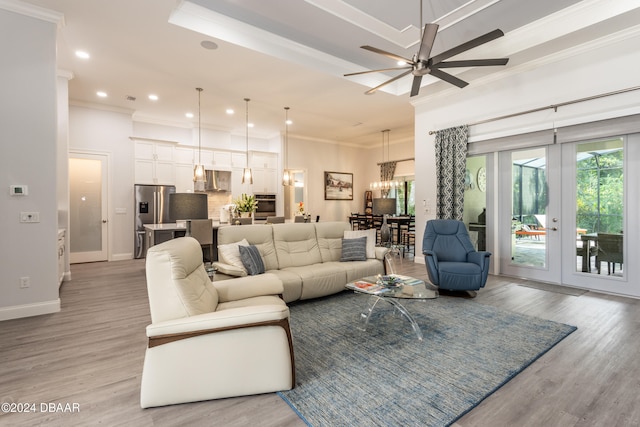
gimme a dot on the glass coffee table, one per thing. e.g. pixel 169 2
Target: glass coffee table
pixel 392 289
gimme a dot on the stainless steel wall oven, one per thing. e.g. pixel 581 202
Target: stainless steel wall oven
pixel 266 206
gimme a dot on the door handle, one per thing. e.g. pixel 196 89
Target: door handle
pixel 554 228
pixel 104 221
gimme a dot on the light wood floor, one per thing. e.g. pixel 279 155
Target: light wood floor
pixel 91 354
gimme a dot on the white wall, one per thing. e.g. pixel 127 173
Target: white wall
pixel 315 158
pixel 107 132
pixel 579 73
pixel 28 141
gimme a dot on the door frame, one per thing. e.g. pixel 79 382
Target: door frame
pixel 104 253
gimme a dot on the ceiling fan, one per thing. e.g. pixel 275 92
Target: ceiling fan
pixel 421 64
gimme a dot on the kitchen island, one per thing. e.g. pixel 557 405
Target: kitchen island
pixel 158 233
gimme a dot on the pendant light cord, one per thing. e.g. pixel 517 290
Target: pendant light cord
pixel 246 100
pixel 199 89
pixel 286 137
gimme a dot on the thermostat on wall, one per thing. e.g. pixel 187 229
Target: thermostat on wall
pixel 18 190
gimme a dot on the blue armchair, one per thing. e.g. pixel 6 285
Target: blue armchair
pixel 451 259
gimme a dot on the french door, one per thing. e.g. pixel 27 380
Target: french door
pixel 530 216
pixel 88 232
pixel 564 210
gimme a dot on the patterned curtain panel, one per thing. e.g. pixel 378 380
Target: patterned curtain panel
pixel 451 161
pixel 387 170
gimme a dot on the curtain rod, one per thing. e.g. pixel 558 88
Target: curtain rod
pixel 397 161
pixel 552 106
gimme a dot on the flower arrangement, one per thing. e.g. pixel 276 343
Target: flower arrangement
pixel 245 203
pixel 301 207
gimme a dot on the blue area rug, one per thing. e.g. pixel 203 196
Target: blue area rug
pixel 385 376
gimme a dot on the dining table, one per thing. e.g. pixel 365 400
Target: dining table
pixel 396 223
pixel 587 247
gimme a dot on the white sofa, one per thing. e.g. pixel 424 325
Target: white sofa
pixel 304 256
pixel 210 341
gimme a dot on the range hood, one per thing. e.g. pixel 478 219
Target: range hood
pixel 219 181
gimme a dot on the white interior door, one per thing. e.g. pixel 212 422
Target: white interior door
pixel 88 230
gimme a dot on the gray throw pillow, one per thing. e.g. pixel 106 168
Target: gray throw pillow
pixel 251 259
pixel 354 249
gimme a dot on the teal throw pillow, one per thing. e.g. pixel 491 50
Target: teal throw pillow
pixel 354 249
pixel 251 259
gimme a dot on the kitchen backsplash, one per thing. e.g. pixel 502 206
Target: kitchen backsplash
pixel 216 201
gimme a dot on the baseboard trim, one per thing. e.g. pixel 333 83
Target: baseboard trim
pixel 28 310
pixel 122 257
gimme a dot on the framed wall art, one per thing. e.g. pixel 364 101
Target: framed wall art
pixel 338 186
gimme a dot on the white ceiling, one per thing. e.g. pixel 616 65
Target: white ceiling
pixel 294 53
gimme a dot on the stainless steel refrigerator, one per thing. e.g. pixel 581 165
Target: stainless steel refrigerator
pixel 152 207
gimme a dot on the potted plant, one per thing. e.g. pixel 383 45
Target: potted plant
pixel 245 205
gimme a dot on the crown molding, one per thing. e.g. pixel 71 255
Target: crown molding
pixel 33 11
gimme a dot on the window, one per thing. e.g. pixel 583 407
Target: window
pixel 405 197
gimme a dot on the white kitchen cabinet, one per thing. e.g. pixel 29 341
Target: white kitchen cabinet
pixel 185 155
pixel 264 167
pixel 205 157
pixel 264 160
pixel 154 172
pixel 238 160
pixel 154 163
pixel 265 180
pixel 222 160
pixel 184 178
pixel 237 187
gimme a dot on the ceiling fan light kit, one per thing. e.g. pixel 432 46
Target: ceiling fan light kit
pixel 422 64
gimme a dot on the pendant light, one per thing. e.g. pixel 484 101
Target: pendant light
pixel 287 178
pixel 247 176
pixel 198 169
pixel 384 185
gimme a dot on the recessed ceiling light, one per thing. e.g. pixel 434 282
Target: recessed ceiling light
pixel 189 115
pixel 153 97
pixel 230 111
pixel 250 125
pixel 101 94
pixel 208 44
pixel 289 122
pixel 82 54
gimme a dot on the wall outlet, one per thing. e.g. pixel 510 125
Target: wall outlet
pixel 25 282
pixel 29 216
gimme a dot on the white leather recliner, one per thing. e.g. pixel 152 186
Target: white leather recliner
pixel 209 342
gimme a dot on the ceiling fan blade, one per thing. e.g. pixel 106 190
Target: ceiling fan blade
pixel 428 36
pixel 376 71
pixel 387 54
pixel 370 91
pixel 471 63
pixel 468 45
pixel 448 78
pixel 415 87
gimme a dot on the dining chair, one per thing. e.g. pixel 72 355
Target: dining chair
pixel 202 231
pixel 609 251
